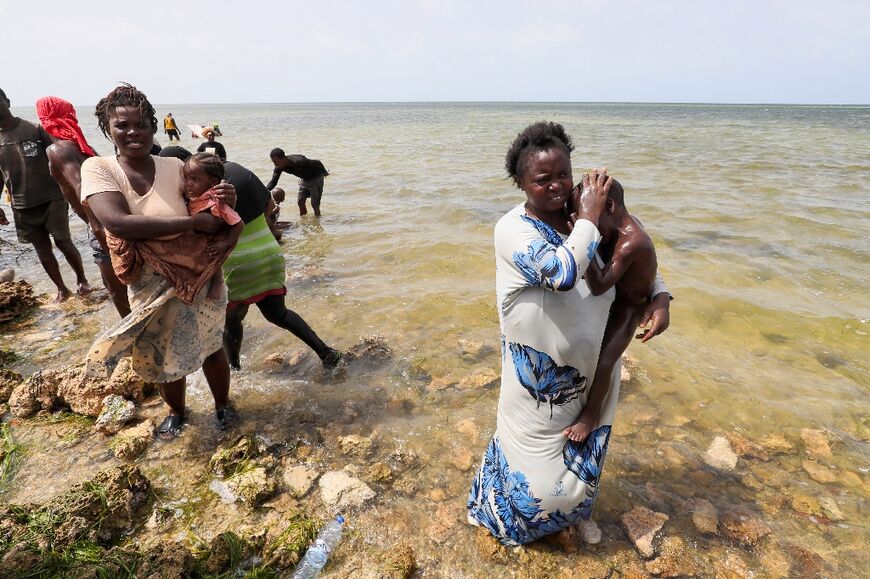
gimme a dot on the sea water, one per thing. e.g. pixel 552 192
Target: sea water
pixel 759 216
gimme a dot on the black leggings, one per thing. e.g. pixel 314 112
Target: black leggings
pixel 274 310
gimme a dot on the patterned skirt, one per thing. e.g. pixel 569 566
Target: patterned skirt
pixel 166 338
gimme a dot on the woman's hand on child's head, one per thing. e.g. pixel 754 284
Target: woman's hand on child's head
pixel 226 193
pixel 593 194
pixel 206 223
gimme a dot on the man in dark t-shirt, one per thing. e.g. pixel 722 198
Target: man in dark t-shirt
pixel 38 205
pixel 212 146
pixel 310 172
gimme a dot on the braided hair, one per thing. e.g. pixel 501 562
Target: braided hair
pixel 208 162
pixel 125 95
pixel 540 136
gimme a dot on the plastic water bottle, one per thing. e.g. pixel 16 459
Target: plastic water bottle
pixel 317 554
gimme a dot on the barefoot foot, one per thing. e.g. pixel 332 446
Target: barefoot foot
pixel 63 295
pixel 84 288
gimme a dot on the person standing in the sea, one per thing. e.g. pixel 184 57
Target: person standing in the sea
pixel 38 206
pixel 533 480
pixel 310 172
pixel 211 146
pixel 65 156
pixel 170 128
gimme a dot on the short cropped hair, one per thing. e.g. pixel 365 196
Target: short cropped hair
pixel 540 136
pixel 276 152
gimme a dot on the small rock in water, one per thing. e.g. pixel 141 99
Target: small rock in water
pixel 641 525
pixel 440 383
pixel 481 378
pixel 252 487
pixel 468 429
pixel 745 447
pixel 299 479
pixel 9 380
pixel 7 274
pixel 624 374
pixel 117 411
pixel 16 298
pixel 131 442
pixel 339 489
pixel 744 526
pixel 720 455
pixel 356 445
pixel 730 566
pixel 818 472
pixel 830 509
pixel 676 560
pixel 400 562
pixel 462 459
pixel 807 505
pixel 816 442
pixel 705 517
pixel 444 524
pixel 373 350
pixel 777 443
pixel 379 471
pixel 471 350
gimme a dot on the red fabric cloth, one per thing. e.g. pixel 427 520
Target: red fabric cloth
pixel 208 201
pixel 58 118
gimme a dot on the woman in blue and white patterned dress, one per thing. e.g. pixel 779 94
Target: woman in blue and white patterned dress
pixel 534 481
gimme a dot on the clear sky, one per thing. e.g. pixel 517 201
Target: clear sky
pixel 207 51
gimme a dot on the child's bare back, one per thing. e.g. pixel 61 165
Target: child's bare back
pixel 632 270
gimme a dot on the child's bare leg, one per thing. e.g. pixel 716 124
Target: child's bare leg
pixel 216 284
pixel 620 329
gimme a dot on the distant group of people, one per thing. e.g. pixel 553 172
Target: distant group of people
pixel 187 243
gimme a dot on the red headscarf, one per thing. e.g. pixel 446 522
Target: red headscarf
pixel 58 118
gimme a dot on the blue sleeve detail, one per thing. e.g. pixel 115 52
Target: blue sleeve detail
pixel 590 250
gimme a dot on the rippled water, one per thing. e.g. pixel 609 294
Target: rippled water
pixel 758 214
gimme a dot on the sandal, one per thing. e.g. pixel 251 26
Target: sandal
pixel 226 417
pixel 171 427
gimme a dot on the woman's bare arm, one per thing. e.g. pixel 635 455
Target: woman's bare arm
pixel 111 209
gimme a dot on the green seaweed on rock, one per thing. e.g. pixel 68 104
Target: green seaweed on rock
pixel 11 454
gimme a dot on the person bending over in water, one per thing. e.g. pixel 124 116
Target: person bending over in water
pixel 310 172
pixel 632 269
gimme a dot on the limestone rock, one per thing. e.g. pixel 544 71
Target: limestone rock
pixel 676 560
pixel 9 380
pixel 444 524
pixel 251 487
pixel 746 448
pixel 641 525
pixel 730 566
pixel 468 429
pixel 16 298
pixel 481 378
pixel 116 412
pixel 39 392
pixel 440 383
pixel 471 350
pixel 818 472
pixel 816 442
pixel 131 442
pixel 227 460
pixel 339 489
pixel 166 561
pixel 806 563
pixel 300 479
pixel 830 509
pixel 705 517
pixel 777 443
pixel 356 445
pixel 379 471
pixel 720 455
pixel 373 350
pixel 461 459
pixel 400 562
pixel 742 525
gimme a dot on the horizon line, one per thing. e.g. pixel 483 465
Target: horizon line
pixel 507 102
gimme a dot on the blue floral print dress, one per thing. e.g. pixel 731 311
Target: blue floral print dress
pixel 533 480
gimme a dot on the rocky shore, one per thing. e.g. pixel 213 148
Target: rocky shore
pixel 87 491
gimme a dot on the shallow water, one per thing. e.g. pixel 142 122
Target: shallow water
pixel 758 214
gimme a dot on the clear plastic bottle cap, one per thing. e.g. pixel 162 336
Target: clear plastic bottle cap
pixel 340 519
